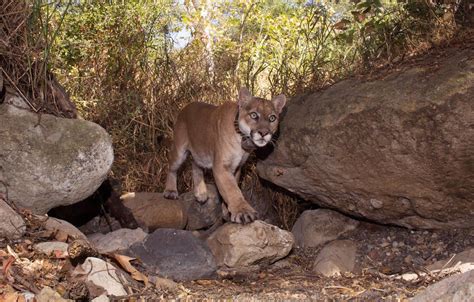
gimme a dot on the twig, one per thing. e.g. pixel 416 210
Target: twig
pixel 18 90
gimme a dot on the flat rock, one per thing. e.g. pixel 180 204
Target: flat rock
pixel 54 224
pixel 102 274
pixel 336 257
pixel 12 224
pixel 316 227
pixel 118 240
pixel 456 288
pixel 237 245
pixel 152 211
pixel 52 246
pixel 175 254
pixel 50 161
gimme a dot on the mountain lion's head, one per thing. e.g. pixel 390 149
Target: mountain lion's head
pixel 258 117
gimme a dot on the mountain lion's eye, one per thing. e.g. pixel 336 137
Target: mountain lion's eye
pixel 272 118
pixel 254 115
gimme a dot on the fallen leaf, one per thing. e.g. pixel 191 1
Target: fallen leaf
pixel 7 264
pixel 124 261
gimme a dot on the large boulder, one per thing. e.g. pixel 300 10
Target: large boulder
pixel 48 161
pixel 395 149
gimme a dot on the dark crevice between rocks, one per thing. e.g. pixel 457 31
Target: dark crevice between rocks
pixel 104 203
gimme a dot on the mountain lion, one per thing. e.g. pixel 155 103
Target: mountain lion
pixel 220 138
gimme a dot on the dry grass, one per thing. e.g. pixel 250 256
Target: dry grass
pixel 24 59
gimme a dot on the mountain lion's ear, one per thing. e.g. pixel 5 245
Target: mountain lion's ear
pixel 279 102
pixel 244 96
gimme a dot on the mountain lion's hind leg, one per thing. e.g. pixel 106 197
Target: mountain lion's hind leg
pixel 200 189
pixel 177 156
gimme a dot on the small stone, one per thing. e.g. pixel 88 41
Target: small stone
pixel 103 274
pixel 384 244
pixel 52 246
pixel 316 227
pixel 395 244
pixel 376 204
pixel 336 257
pixel 408 259
pixel 164 283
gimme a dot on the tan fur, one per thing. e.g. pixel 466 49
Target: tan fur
pixel 209 134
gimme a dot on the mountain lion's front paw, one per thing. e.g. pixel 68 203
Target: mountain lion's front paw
pixel 170 194
pixel 243 213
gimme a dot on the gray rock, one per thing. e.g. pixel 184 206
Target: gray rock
pixel 456 288
pixel 202 215
pixel 102 274
pixel 51 161
pixel 118 240
pixel 175 254
pixel 54 224
pixel 336 257
pixel 51 246
pixel 316 227
pixel 395 149
pixel 12 224
pixel 237 245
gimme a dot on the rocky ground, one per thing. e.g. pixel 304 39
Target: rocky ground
pixel 382 255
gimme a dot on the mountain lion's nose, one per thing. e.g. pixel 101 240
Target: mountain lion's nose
pixel 263 132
